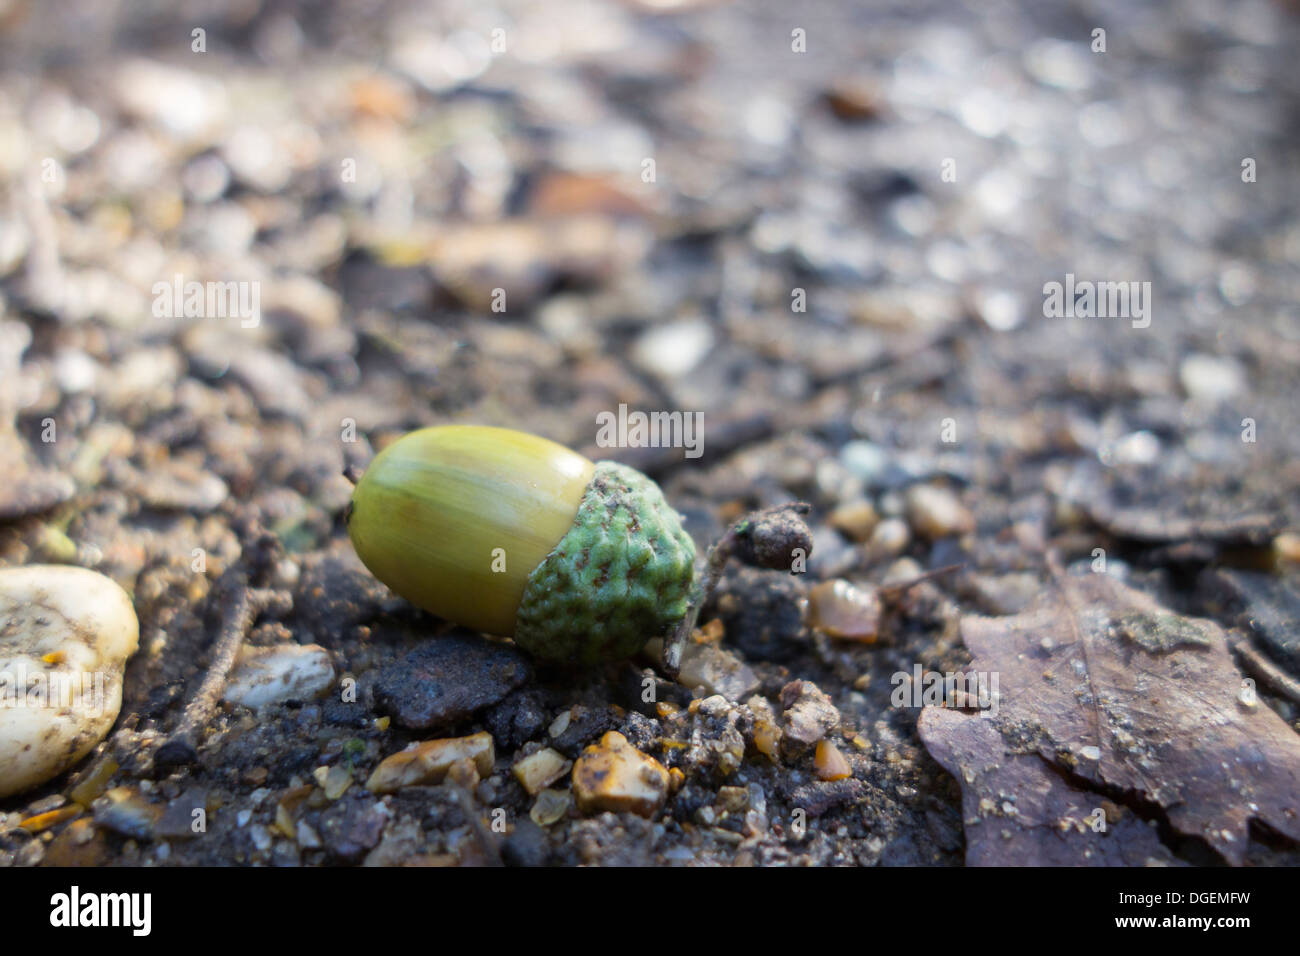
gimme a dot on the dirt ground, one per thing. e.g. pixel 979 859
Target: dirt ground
pixel 827 227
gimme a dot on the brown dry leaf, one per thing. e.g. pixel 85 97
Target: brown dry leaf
pixel 1118 692
pixel 1019 811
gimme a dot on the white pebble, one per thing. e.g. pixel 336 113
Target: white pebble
pixel 264 676
pixel 675 349
pixel 65 636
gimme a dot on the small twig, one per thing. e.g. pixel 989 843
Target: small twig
pixel 1263 668
pixel 237 619
pixel 893 590
pixel 767 538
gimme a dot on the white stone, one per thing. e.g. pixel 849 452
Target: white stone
pixel 673 350
pixel 1211 378
pixel 65 636
pixel 264 676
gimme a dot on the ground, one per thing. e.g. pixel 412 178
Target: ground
pixel 832 229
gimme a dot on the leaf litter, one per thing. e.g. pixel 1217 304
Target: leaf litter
pixel 1106 697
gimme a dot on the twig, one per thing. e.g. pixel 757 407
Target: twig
pixel 892 590
pixel 237 619
pixel 1264 669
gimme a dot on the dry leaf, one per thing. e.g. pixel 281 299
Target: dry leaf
pixel 1126 696
pixel 1019 811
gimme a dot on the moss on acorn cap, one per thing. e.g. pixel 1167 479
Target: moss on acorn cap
pixel 516 535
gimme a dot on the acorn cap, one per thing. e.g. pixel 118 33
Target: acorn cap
pixel 623 574
pixel 512 534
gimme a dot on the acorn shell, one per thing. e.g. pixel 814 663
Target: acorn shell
pixel 432 509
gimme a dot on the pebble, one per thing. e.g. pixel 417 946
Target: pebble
pixel 538 771
pixel 180 819
pixel 853 100
pixel 842 610
pixel 124 811
pixel 830 763
pixel 1211 378
pixel 352 827
pixel 716 671
pixel 765 732
pixel 431 761
pixel 808 716
pixel 526 846
pixel 673 350
pixel 936 512
pixel 551 807
pixel 78 625
pixel 447 680
pixel 614 776
pixel 265 676
pixel 866 460
pixel 333 781
pixel 855 519
pixel 1286 547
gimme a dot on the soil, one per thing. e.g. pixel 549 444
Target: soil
pixel 837 253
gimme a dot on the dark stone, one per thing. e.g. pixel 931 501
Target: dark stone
pixel 527 846
pixel 352 827
pixel 775 537
pixel 449 679
pixel 816 799
pixel 177 821
pixel 335 596
pixel 161 698
pixel 517 719
pixel 175 755
pixel 294 760
pixel 585 725
pixel 689 799
pixel 760 611
pixel 338 713
pixel 642 732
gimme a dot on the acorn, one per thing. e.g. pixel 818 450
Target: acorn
pixel 512 534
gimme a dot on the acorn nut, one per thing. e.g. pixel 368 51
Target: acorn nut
pixel 515 535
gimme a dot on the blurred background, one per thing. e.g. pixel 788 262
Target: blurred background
pixel 828 227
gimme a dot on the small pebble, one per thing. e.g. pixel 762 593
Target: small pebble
pixel 808 716
pixel 430 762
pixel 538 771
pixel 716 671
pixel 551 807
pixel 124 811
pixel 265 676
pixel 830 763
pixel 855 519
pixel 842 610
pixel 615 776
pixel 936 512
pixel 65 636
pixel 673 350
pixel 890 539
pixel 1211 378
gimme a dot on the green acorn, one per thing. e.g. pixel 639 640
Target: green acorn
pixel 512 534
